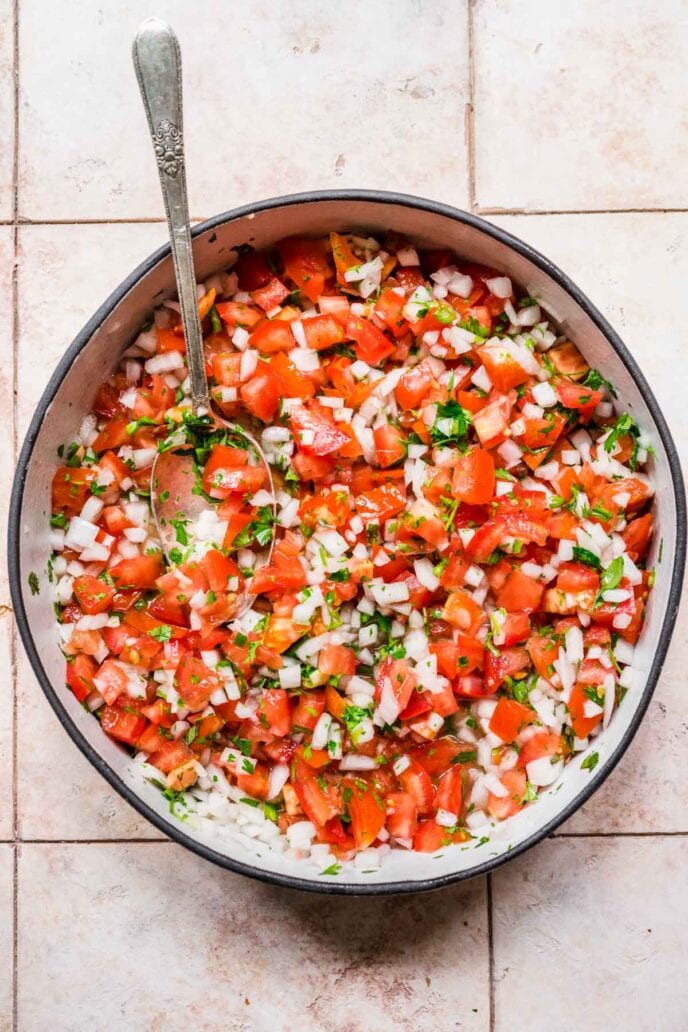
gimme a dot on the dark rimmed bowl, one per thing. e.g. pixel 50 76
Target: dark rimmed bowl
pixel 93 356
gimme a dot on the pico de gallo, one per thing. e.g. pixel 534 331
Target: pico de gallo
pixel 458 579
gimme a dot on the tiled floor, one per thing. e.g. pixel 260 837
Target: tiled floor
pixel 567 124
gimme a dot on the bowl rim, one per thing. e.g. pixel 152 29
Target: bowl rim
pixel 175 831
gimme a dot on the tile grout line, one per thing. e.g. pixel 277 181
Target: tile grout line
pixel 490 949
pixel 13 639
pixel 22 223
pixel 486 210
pixel 470 111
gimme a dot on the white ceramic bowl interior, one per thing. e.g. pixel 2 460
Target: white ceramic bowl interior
pixel 93 357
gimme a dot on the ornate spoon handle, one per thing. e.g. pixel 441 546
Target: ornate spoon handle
pixel 157 60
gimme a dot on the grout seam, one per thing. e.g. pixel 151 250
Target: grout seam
pixel 21 223
pixel 484 210
pixel 490 948
pixel 470 111
pixel 13 639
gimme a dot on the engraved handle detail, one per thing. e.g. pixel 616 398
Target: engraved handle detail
pixel 158 65
pixel 169 148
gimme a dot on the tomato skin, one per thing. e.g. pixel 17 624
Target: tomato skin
pixel 508 718
pixel 415 780
pixel 582 725
pixel 81 670
pixel 306 264
pixel 390 443
pixel 71 488
pixel 237 313
pixel 510 661
pixel 430 837
pixel 502 807
pixel 337 660
pixel 414 385
pixel 372 346
pixel 93 595
pixel 402 815
pixel 196 682
pixel 575 577
pixel 450 791
pixel 275 708
pixel 322 331
pixel 315 431
pixel 520 593
pixel 124 726
pixel 261 395
pixel 544 743
pixel 474 477
pixel 141 572
pixel 380 504
pixel 367 812
pixel 574 396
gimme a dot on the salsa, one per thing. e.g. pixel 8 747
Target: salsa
pixel 458 580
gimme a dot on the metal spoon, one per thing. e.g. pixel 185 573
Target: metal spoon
pixel 157 61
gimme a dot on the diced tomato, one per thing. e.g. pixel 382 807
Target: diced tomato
pixel 582 725
pixel 450 791
pixel 574 396
pixel 520 593
pixel 196 682
pixel 544 743
pixel 81 670
pixel 431 836
pixel 367 812
pixel 274 708
pixel 93 594
pixel 402 815
pixel 501 807
pixel 255 783
pixel 315 431
pixel 380 504
pixel 509 662
pixel 463 612
pixel 414 385
pixel 306 264
pixel 122 724
pixel 292 383
pixel 371 343
pixel 510 717
pixel 390 443
pixel 336 661
pixel 415 780
pixel 71 488
pixel 226 472
pixel 261 395
pixel 518 525
pixel 319 804
pixel 322 331
pixel 575 577
pixel 237 313
pixel 271 295
pixel 140 572
pixel 504 371
pixel 474 477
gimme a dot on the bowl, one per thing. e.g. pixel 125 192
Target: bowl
pixel 93 356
